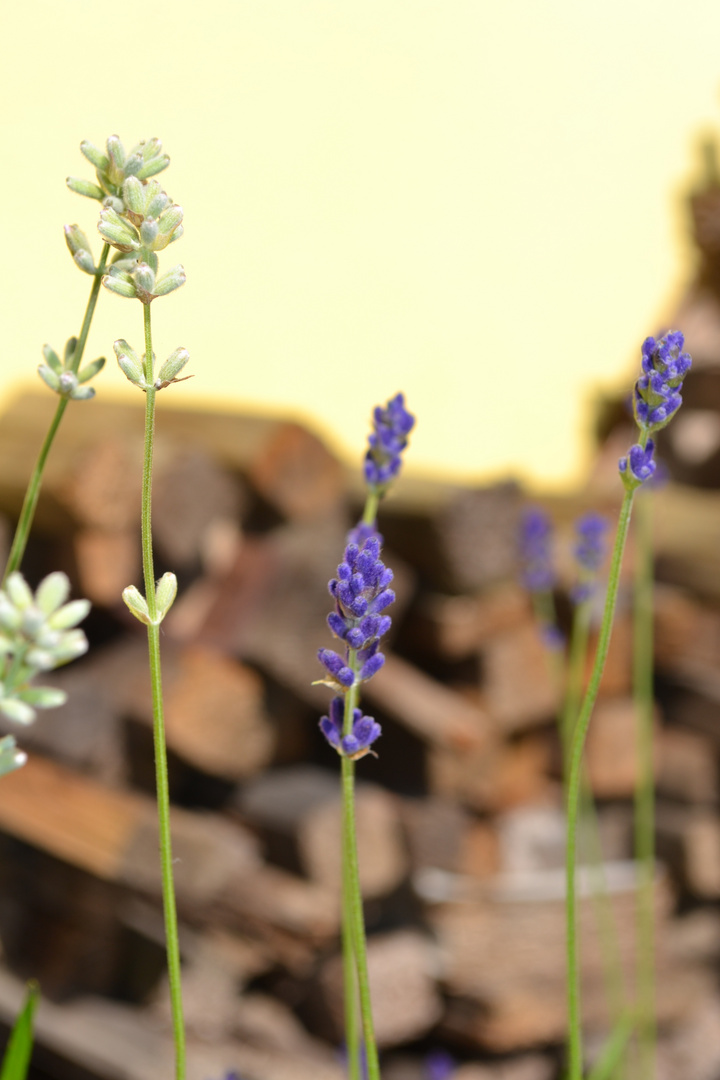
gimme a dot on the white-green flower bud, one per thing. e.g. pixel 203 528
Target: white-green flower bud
pixel 137 604
pixel 144 278
pixel 90 370
pixel 153 166
pixel 49 377
pixel 170 219
pixel 52 359
pixel 76 239
pixel 72 644
pixel 17 711
pixel 10 617
pixel 174 364
pixel 43 697
pixel 116 154
pixel 149 148
pixel 41 659
pixel 130 363
pixel 69 615
pixel 68 383
pixel 170 281
pixel 82 393
pixel 157 202
pixel 32 621
pixel 134 195
pixel 52 592
pixel 133 164
pixel 94 155
pixel 10 757
pixel 112 202
pixel 120 283
pixel 84 261
pixel 84 187
pixel 18 591
pixel 69 353
pixel 149 231
pixel 165 594
pixel 118 231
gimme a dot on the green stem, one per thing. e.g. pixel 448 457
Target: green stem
pixel 22 532
pixel 614 1048
pixel 161 769
pixel 644 791
pixel 573 791
pixel 372 503
pixel 579 637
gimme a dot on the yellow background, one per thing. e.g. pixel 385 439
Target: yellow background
pixel 475 202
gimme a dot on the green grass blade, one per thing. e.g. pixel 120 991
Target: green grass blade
pixel 612 1051
pixel 19 1048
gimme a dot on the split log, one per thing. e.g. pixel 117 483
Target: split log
pixel 497 776
pixel 299 813
pixel 527 1067
pixel 689 841
pixel 455 627
pixel 107 562
pixel 405 1002
pixel 518 679
pixel 611 749
pixel 687 766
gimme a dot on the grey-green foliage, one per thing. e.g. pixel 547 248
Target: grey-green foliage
pixel 61 376
pixel 37 633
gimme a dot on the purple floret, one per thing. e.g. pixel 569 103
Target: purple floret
pixel 365 730
pixel 656 397
pixel 639 465
pixel 535 551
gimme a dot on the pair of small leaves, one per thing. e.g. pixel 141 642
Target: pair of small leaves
pixel 59 375
pixel 165 593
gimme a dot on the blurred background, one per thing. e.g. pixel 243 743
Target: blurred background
pixel 477 204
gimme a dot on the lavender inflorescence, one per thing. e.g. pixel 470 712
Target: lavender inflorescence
pixel 656 399
pixel 391 427
pixel 536 551
pixel 589 551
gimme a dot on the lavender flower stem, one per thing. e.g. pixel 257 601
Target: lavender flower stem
pixel 372 502
pixel 573 787
pixel 644 791
pixel 161 769
pixel 27 514
pixel 352 896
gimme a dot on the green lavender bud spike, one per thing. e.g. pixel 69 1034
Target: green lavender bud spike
pixel 118 231
pixel 130 364
pixel 43 697
pixel 10 757
pixel 90 370
pixel 18 711
pixel 52 359
pixel 95 156
pixel 165 593
pixel 49 377
pixel 121 283
pixel 170 281
pixel 172 367
pixel 52 592
pixel 85 187
pixel 137 604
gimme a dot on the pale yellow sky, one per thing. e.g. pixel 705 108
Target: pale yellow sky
pixel 472 202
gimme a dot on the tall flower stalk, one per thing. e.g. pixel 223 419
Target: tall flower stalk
pixel 644 789
pixel 361 593
pixel 656 400
pixel 138 221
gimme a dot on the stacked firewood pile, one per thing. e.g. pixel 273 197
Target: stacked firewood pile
pixel 460 818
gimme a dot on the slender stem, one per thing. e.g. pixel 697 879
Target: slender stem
pixel 573 791
pixel 611 1054
pixel 32 494
pixel 161 769
pixel 644 791
pixel 577 654
pixel 372 503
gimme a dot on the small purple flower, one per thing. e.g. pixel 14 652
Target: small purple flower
pixel 392 425
pixel 362 532
pixel 639 465
pixel 439 1065
pixel 364 731
pixel 535 551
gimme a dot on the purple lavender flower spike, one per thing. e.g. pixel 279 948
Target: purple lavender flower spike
pixel 392 425
pixel 535 553
pixel 589 553
pixel 639 465
pixel 362 532
pixel 439 1065
pixel 656 395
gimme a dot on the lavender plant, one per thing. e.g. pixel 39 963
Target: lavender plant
pixel 656 399
pixel 138 220
pixel 65 377
pixel 361 593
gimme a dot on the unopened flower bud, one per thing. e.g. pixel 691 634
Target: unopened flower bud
pixel 52 359
pixel 130 363
pixel 17 711
pixel 121 283
pixel 170 281
pixel 85 187
pixel 68 382
pixel 118 231
pixel 165 594
pixel 10 757
pixel 174 364
pixel 137 604
pixel 52 592
pixel 90 370
pixel 49 377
